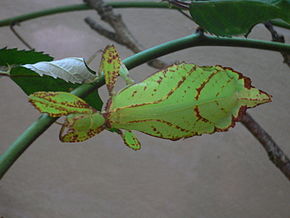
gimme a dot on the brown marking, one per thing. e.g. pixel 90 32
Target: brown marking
pixel 221 108
pixel 247 80
pixel 223 86
pixel 199 117
pixel 156 131
pixel 108 104
pixel 199 89
pixel 230 80
pixel 161 121
pixel 79 103
pixel 134 93
pixel 256 99
pixel 160 80
pixel 61 108
pixel 72 136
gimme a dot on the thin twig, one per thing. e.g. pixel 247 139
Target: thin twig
pixel 185 14
pixel 277 37
pixel 121 33
pixel 4 74
pixel 102 31
pixel 275 153
pixel 19 37
pixel 179 4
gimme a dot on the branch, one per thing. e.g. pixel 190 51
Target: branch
pixel 81 7
pixel 185 14
pixel 19 36
pixel 40 125
pixel 283 24
pixel 122 35
pixel 276 37
pixel 276 155
pixel 102 31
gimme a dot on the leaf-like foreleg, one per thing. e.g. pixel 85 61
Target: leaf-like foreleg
pixel 110 67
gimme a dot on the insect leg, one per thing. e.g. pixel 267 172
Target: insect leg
pixel 124 73
pixel 130 139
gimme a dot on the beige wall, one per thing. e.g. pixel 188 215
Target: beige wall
pixel 221 175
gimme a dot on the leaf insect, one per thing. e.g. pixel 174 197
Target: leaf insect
pixel 181 101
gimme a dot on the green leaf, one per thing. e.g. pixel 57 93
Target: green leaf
pixel 57 104
pixel 237 17
pixel 73 70
pixel 14 56
pixel 31 82
pixel 185 100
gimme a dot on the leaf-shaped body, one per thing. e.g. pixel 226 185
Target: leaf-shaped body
pixel 184 100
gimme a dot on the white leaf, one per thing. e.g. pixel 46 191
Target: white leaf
pixel 72 70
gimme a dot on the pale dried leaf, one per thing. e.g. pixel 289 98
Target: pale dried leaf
pixel 71 69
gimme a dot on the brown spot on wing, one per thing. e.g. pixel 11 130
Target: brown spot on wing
pixel 198 115
pixel 162 121
pixel 199 89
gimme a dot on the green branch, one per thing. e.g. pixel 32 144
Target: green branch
pixel 81 7
pixel 280 24
pixel 38 127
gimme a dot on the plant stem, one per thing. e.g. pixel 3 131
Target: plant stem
pixel 280 24
pixel 81 7
pixel 199 39
pixel 23 141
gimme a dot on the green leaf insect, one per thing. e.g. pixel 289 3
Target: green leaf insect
pixel 181 101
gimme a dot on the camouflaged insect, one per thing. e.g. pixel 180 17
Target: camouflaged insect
pixel 181 101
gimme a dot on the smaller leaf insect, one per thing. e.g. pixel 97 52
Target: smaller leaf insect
pixel 181 101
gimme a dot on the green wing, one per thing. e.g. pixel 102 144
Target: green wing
pixel 185 100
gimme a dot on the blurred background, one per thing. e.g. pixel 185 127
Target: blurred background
pixel 221 175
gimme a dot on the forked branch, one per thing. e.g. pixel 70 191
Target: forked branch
pixel 121 33
pixel 275 153
pixel 277 37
